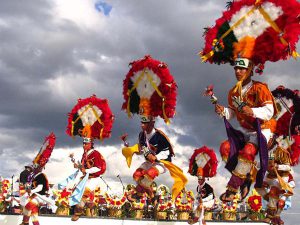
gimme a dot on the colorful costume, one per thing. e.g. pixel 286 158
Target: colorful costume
pixel 278 184
pixel 40 186
pixel 155 143
pixel 150 91
pixel 206 192
pixel 158 142
pixel 94 165
pixel 39 183
pixel 257 96
pixel 288 118
pixel 250 33
pixel 203 164
pixel 90 118
pixel 23 181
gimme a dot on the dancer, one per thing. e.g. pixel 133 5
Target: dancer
pixel 37 193
pixel 247 36
pixel 91 119
pixel 150 91
pixel 203 164
pixel 254 107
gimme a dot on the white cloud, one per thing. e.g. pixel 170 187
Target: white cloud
pixel 65 87
pixel 3 23
pixel 275 79
pixel 81 12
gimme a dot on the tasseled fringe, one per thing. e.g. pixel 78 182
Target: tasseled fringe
pixel 282 155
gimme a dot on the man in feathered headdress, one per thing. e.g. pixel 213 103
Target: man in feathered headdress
pixel 39 184
pixel 91 118
pixel 252 103
pixel 203 164
pixel 150 91
pixel 248 34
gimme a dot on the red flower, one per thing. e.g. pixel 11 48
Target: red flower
pixel 254 203
pixel 65 194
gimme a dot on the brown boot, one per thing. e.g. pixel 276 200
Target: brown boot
pixel 277 221
pixel 267 220
pixel 270 215
pixel 25 220
pixel 193 220
pixel 78 212
pixel 75 217
pixel 245 188
pixel 228 196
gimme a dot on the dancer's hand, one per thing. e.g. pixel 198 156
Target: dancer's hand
pixel 28 191
pixel 271 165
pixel 246 110
pixel 152 158
pixel 265 185
pixel 82 169
pixel 219 109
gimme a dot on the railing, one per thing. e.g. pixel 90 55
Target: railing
pixel 150 214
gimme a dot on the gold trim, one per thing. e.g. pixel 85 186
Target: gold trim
pixel 239 175
pixel 240 158
pixel 230 188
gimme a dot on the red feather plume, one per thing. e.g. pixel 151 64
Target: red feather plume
pixel 210 168
pixel 46 150
pixel 163 106
pixel 295 153
pixel 94 112
pixel 269 45
pixel 288 116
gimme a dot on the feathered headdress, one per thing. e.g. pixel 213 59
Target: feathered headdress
pixel 149 89
pixel 203 162
pixel 45 151
pixel 288 119
pixel 288 105
pixel 91 118
pixel 260 30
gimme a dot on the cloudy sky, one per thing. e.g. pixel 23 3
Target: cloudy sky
pixel 53 52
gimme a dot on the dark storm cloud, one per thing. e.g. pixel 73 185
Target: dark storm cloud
pixel 36 47
pixel 43 49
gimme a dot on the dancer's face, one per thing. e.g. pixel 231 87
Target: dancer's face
pixel 87 146
pixel 148 127
pixel 240 73
pixel 201 181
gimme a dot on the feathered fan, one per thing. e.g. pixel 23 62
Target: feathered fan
pixel 267 30
pixel 45 151
pixel 288 118
pixel 203 162
pixel 150 85
pixel 93 112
